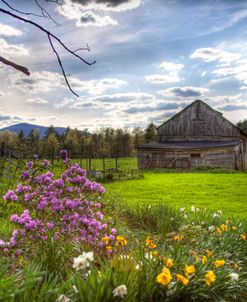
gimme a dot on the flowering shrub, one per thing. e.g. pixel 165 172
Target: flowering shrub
pixel 67 208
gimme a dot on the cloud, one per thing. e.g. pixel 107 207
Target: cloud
pixel 6 30
pixel 171 73
pixel 157 107
pixel 239 71
pixel 105 5
pixel 43 81
pixel 46 81
pixel 184 92
pixel 91 19
pixel 81 11
pixel 4 117
pixel 36 101
pixel 8 50
pixel 232 107
pixel 212 54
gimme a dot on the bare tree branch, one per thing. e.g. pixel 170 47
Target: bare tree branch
pixel 50 37
pixel 20 12
pixel 14 65
pixel 61 66
pixel 45 13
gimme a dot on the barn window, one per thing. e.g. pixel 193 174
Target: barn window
pixel 195 155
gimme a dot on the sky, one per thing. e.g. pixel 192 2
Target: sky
pixel 153 58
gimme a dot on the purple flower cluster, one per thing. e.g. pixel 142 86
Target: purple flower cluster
pixel 64 208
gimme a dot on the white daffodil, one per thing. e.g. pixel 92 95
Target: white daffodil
pixel 181 210
pixel 234 277
pixel 120 291
pixel 63 298
pixel 83 261
pixel 211 228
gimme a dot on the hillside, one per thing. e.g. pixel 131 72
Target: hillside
pixel 26 128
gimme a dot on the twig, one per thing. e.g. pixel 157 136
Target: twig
pixel 49 34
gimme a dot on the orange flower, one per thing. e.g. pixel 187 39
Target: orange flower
pixel 219 263
pixel 105 239
pixel 168 262
pixel 182 279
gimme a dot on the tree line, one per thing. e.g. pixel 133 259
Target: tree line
pixel 105 142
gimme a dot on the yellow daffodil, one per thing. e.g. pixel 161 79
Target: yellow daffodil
pixel 210 277
pixel 178 238
pixel 182 279
pixel 204 259
pixel 105 239
pixel 168 262
pixel 224 227
pixel 164 277
pixel 154 254
pixel 189 269
pixel 219 263
pixel 243 236
pixel 218 231
pixel 209 254
pixel 195 256
pixel 234 228
pixel 121 241
pixel 150 243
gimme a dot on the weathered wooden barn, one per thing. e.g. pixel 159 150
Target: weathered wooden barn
pixel 196 136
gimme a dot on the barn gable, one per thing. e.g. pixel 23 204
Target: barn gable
pixel 198 121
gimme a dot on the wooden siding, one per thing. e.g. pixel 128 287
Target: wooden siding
pixel 197 122
pixel 189 159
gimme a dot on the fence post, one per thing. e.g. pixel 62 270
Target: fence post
pixel 2 149
pixel 103 163
pixel 52 155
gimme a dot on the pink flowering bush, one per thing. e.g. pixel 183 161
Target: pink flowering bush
pixel 66 208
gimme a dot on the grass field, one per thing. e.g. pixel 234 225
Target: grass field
pixel 226 192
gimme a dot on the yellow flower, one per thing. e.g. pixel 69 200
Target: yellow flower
pixel 219 263
pixel 224 227
pixel 234 228
pixel 204 259
pixel 150 243
pixel 121 241
pixel 243 237
pixel 168 262
pixel 210 277
pixel 218 231
pixel 105 239
pixel 154 254
pixel 195 256
pixel 178 238
pixel 109 248
pixel 209 253
pixel 164 277
pixel 182 279
pixel 189 269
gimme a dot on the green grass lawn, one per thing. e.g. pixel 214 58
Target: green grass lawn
pixel 226 192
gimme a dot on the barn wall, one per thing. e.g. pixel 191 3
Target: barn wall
pixel 189 159
pixel 197 122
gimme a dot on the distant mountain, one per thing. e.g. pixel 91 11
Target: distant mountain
pixel 26 128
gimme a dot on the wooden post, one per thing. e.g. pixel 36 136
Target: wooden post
pixel 2 149
pixel 103 163
pixel 52 155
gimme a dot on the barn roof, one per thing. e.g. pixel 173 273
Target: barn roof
pixel 189 145
pixel 206 105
